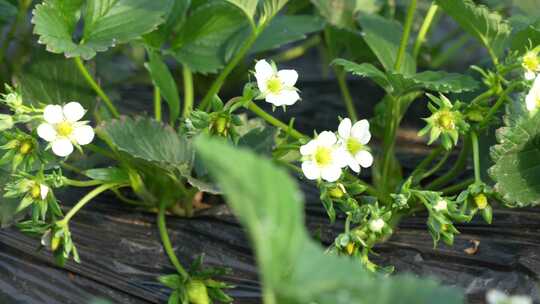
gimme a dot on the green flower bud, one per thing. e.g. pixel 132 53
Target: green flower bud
pixel 350 248
pixel 6 122
pixel 337 192
pixel 475 115
pixel 13 99
pixel 26 147
pixel 481 201
pixel 197 292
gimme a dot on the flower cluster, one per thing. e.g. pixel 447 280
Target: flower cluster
pixel 326 155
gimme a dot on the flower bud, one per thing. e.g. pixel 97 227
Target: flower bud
pixel 197 292
pixel 481 201
pixel 337 192
pixel 55 243
pixel 35 191
pixel 220 125
pixel 475 116
pixel 25 147
pixel 350 248
pixel 6 122
pixel 13 99
pixel 376 225
pixel 441 205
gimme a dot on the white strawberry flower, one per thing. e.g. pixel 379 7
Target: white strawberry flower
pixel 62 128
pixel 376 225
pixel 353 140
pixel 322 158
pixel 532 101
pixel 277 87
pixel 441 205
pixel 531 63
pixel 498 297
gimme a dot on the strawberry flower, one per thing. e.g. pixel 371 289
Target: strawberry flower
pixel 62 128
pixel 276 87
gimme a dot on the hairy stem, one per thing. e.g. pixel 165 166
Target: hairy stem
pixel 456 170
pixel 437 166
pixel 76 183
pixel 405 37
pixel 157 103
pixel 95 86
pixel 162 226
pixel 347 98
pixel 86 199
pixel 188 91
pixel 424 29
pixel 476 157
pixel 275 122
pixel 457 187
pixel 502 98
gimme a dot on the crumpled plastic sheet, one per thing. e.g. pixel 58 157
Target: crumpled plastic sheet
pixel 122 256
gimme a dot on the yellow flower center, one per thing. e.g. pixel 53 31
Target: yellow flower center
pixel 323 156
pixel 531 61
pixel 25 147
pixel 481 201
pixel 35 191
pixel 350 248
pixel 274 85
pixel 64 128
pixel 446 120
pixel 354 146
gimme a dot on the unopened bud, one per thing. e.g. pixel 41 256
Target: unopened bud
pixel 350 248
pixel 25 147
pixel 6 122
pixel 481 201
pixel 197 292
pixel 337 192
pixel 376 225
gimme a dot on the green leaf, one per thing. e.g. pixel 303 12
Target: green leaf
pixel 247 6
pixel 109 175
pixel 177 12
pixel 488 27
pixel 51 79
pixel 517 162
pixel 339 13
pixel 147 139
pixel 285 29
pixel 365 70
pixel 106 23
pixel 7 11
pixel 261 141
pixel 294 269
pixel 271 7
pixel 202 41
pixel 383 37
pixel 523 39
pixel 398 84
pixel 163 79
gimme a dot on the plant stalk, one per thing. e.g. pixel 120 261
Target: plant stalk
pixel 157 103
pixel 347 98
pixel 476 157
pixel 86 199
pixel 93 84
pixel 405 37
pixel 455 170
pixel 424 29
pixel 162 226
pixel 275 122
pixel 188 91
pixel 76 183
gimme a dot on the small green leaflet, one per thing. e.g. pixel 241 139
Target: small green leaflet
pixel 106 23
pixel 249 7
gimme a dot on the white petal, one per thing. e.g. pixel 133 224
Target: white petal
pixel 308 148
pixel 340 156
pixel 73 111
pixel 44 190
pixel 495 296
pixel 289 97
pixel 62 147
pixel 530 102
pixel 364 158
pixel 344 129
pixel 529 75
pixel 353 164
pixel 327 138
pixel 521 300
pixel 53 114
pixel 46 131
pixel 331 173
pixel 83 134
pixel 288 77
pixel 263 72
pixel 360 131
pixel 311 171
pixel 275 99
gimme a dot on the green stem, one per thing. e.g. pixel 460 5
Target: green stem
pixel 167 242
pixel 93 84
pixel 188 91
pixel 449 52
pixel 457 187
pixel 502 98
pixel 428 20
pixel 86 199
pixel 427 160
pixel 297 51
pixel 275 122
pixel 389 140
pixel 220 80
pixel 437 166
pixel 487 94
pixel 405 37
pixel 476 157
pixel 455 170
pixel 157 103
pixel 97 149
pixel 88 183
pixel 347 98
